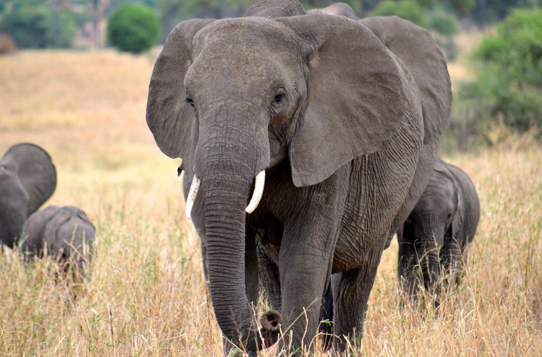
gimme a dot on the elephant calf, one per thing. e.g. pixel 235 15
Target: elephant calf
pixel 65 233
pixel 438 230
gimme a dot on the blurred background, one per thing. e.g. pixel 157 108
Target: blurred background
pixel 494 47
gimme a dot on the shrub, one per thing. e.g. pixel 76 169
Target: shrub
pixel 446 25
pixel 39 27
pixel 133 28
pixel 406 9
pixel 6 44
pixel 507 90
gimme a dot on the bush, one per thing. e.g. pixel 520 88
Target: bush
pixel 406 9
pixel 446 25
pixel 6 44
pixel 507 91
pixel 39 27
pixel 133 28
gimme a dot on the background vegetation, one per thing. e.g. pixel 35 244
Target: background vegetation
pixel 145 294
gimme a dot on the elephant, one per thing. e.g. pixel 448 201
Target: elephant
pixel 438 230
pixel 27 180
pixel 65 233
pixel 338 9
pixel 309 133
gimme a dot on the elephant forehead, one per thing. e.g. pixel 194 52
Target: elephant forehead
pixel 253 46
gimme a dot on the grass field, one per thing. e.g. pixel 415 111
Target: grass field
pixel 145 295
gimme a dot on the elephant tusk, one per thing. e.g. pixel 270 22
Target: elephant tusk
pixel 258 193
pixel 192 195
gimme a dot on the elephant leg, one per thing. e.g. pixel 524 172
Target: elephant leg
pixel 251 268
pixel 406 264
pixel 326 318
pixel 351 290
pixel 269 274
pixel 304 266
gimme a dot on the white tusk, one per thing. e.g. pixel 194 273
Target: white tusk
pixel 192 195
pixel 258 193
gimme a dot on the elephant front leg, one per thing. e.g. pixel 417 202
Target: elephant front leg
pixel 351 290
pixel 304 265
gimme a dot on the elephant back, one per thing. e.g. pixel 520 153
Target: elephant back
pixel 276 8
pixel 427 64
pixel 66 232
pixel 35 170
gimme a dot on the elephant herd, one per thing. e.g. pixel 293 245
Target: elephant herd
pixel 27 180
pixel 308 141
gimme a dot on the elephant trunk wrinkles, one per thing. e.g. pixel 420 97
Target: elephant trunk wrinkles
pixel 227 169
pixel 428 254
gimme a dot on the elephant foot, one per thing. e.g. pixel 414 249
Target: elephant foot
pixel 270 331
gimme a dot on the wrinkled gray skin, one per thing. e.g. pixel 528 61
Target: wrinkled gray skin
pixel 27 180
pixel 436 234
pixel 65 233
pixel 344 166
pixel 337 9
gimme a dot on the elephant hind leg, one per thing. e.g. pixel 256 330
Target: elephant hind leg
pixel 351 290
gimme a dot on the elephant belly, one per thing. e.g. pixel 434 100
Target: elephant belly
pixel 379 184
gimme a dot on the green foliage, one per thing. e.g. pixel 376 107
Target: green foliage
pixel 39 27
pixel 444 24
pixel 133 28
pixel 406 9
pixel 508 87
pixel 312 4
pixel 463 7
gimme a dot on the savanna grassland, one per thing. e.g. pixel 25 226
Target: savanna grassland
pixel 145 294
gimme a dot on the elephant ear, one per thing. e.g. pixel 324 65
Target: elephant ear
pixel 276 8
pixel 420 53
pixel 356 96
pixel 35 170
pixel 169 116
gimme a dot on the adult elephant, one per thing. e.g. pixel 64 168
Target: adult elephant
pixel 27 180
pixel 438 230
pixel 332 121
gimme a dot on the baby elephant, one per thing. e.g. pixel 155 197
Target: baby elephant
pixel 65 233
pixel 438 230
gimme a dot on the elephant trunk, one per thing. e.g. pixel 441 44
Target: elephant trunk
pixel 428 254
pixel 228 159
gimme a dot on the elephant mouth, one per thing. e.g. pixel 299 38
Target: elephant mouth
pixel 259 185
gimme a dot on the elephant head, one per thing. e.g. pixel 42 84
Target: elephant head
pixel 64 233
pixel 338 9
pixel 234 97
pixel 27 180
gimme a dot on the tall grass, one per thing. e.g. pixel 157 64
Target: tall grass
pixel 145 294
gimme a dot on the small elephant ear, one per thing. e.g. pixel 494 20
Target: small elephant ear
pixel 356 96
pixel 420 53
pixel 169 117
pixel 34 229
pixel 36 171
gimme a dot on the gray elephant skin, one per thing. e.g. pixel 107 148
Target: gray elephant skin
pixel 437 232
pixel 27 180
pixel 344 119
pixel 64 233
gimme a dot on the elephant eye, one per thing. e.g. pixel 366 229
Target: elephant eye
pixel 449 215
pixel 279 98
pixel 190 101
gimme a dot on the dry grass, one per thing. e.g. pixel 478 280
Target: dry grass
pixel 146 295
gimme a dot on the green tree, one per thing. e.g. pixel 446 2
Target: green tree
pixel 38 26
pixel 406 9
pixel 508 86
pixel 133 28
